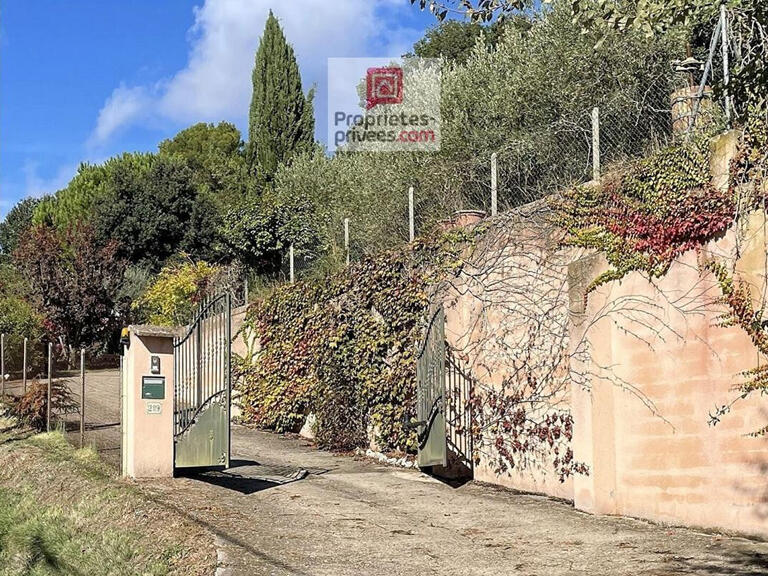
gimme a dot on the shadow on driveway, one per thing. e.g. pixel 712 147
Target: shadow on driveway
pixel 249 476
pixel 737 562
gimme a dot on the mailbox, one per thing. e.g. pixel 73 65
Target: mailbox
pixel 153 387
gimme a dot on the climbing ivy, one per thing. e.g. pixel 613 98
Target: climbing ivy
pixel 749 185
pixel 645 217
pixel 343 348
pixel 737 296
pixel 665 205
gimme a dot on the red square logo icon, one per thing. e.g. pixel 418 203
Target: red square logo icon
pixel 383 86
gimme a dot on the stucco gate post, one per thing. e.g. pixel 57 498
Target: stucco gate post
pixel 147 402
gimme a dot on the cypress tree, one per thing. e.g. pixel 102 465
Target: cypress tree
pixel 281 122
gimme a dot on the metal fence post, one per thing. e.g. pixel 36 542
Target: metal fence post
pixel 346 238
pixel 290 256
pixel 596 144
pixel 50 386
pixel 82 397
pixel 494 187
pixel 411 224
pixel 246 291
pixel 24 368
pixel 704 76
pixel 726 67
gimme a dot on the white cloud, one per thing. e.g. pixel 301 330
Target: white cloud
pixel 122 107
pixel 215 84
pixel 37 186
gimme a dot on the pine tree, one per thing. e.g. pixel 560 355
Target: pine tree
pixel 281 121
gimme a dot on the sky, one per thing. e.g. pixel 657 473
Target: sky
pixel 84 80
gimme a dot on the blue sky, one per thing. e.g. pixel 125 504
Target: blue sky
pixel 84 80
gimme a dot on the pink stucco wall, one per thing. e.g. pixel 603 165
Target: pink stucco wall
pixel 147 434
pixel 657 373
pixel 647 362
pixel 643 424
pixel 513 279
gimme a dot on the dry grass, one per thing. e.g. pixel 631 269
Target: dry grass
pixel 63 512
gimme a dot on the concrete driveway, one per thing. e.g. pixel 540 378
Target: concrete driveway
pixel 351 516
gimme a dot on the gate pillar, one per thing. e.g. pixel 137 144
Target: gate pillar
pixel 147 402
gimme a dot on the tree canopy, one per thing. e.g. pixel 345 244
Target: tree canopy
pixel 215 154
pixel 156 213
pixel 16 222
pixel 748 22
pixel 454 40
pixel 75 203
pixel 73 279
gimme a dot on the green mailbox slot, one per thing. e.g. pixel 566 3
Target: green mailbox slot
pixel 153 387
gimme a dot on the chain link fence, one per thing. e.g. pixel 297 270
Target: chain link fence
pixel 630 117
pixel 74 391
pixel 582 147
pixel 618 127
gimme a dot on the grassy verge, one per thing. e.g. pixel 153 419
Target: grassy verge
pixel 62 512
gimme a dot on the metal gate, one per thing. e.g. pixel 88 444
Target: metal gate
pixel 202 379
pixel 430 403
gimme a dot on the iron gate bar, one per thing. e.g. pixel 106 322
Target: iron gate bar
pixel 189 369
pixel 459 415
pixel 202 386
pixel 430 381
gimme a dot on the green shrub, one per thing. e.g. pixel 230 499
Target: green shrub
pixel 172 297
pixel 19 320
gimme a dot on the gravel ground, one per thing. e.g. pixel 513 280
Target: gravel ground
pixel 352 516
